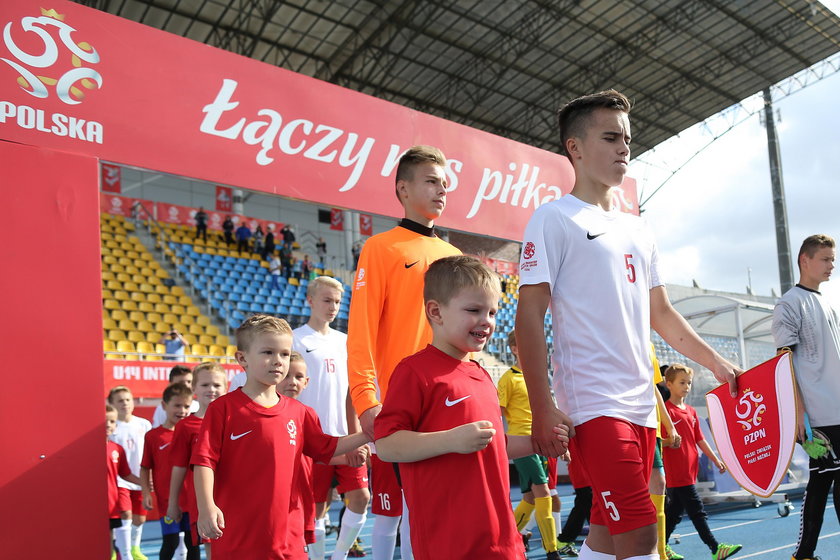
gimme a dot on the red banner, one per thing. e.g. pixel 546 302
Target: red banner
pixel 366 224
pixel 224 199
pixel 111 178
pixel 500 266
pixel 216 116
pixel 115 204
pixel 337 219
pixel 147 379
pixel 755 432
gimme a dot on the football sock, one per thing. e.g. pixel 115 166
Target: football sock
pixel 136 534
pixel 384 537
pixel 351 526
pixel 122 539
pixel 522 514
pixel 556 516
pixel 405 534
pixel 181 551
pixel 659 503
pixel 316 549
pixel 587 553
pixel 548 531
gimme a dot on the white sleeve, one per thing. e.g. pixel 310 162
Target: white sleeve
pixel 654 266
pixel 786 323
pixel 159 417
pixel 542 248
pixel 237 381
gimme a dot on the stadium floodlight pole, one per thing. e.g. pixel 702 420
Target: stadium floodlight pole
pixel 779 206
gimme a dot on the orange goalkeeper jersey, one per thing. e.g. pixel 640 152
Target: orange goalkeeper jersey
pixel 387 317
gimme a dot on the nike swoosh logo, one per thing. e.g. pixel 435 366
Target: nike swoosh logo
pixel 677 422
pixel 308 350
pixel 164 446
pixel 234 438
pixel 591 237
pixel 456 401
pixel 412 264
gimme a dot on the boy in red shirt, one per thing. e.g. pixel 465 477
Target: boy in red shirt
pixel 156 468
pixel 249 449
pixel 681 465
pixel 209 383
pixel 117 466
pixel 439 420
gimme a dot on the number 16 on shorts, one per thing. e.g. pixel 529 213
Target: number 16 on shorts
pixel 610 506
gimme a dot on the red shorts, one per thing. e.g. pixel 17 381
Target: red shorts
pixel 386 493
pixel 617 457
pixel 551 471
pixel 349 478
pixel 137 502
pixel 123 502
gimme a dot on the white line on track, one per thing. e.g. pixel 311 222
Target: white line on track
pixel 787 546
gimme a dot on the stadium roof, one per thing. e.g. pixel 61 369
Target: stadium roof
pixel 506 66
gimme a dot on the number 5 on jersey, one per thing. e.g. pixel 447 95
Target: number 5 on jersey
pixel 631 270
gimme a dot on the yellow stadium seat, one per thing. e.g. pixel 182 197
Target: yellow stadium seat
pixel 111 304
pixel 160 349
pixel 146 307
pixel 109 324
pixel 216 350
pixel 130 252
pixel 108 275
pixel 126 325
pixel 108 346
pixel 137 316
pixel 185 301
pixel 117 268
pixel 173 301
pixel 146 271
pixel 191 339
pixel 138 279
pixel 156 299
pixel 130 305
pixel 177 291
pixel 161 307
pixel 126 346
pixel 162 290
pixel 132 270
pixel 121 295
pixel 107 294
pixel 146 288
pixel 193 310
pixel 116 335
pixel 153 317
pixel 136 336
pixel 206 340
pixel 160 273
pixel 198 350
pixel 196 329
pixel 125 261
pixel 204 321
pixel 162 328
pixel 170 318
pixel 222 340
pixel 145 326
pixel 187 319
pixel 212 330
pixel 118 315
pixel 230 350
pixel 146 348
pixel 294 281
pixel 139 297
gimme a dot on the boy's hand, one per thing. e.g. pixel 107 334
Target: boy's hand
pixel 147 500
pixel 211 523
pixel 357 457
pixel 543 435
pixel 472 437
pixel 721 467
pixel 173 512
pixel 561 432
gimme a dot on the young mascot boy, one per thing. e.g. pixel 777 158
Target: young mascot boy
pixel 598 269
pixel 325 352
pixel 210 382
pixel 440 418
pixel 808 323
pixel 178 374
pixel 118 502
pixel 387 321
pixel 250 444
pixel 156 468
pixel 130 434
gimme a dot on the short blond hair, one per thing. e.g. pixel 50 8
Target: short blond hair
pixel 295 357
pixel 325 281
pixel 449 275
pixel 675 369
pixel 118 389
pixel 511 339
pixel 211 367
pixel 109 408
pixel 259 323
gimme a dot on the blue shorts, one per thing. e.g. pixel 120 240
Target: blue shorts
pixel 170 527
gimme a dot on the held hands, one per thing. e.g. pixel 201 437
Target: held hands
pixel 211 523
pixel 367 418
pixel 673 440
pixel 173 512
pixel 548 442
pixel 358 456
pixel 472 437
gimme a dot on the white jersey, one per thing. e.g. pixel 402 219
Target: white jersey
pixel 159 416
pixel 238 381
pixel 807 321
pixel 131 436
pixel 600 267
pixel 326 366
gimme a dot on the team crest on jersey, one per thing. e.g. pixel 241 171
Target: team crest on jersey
pixel 528 252
pixel 115 456
pixel 360 278
pixel 291 427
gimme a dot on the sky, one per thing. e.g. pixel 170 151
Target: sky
pixel 714 218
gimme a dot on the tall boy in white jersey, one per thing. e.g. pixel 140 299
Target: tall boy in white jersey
pixel 325 352
pixel 598 269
